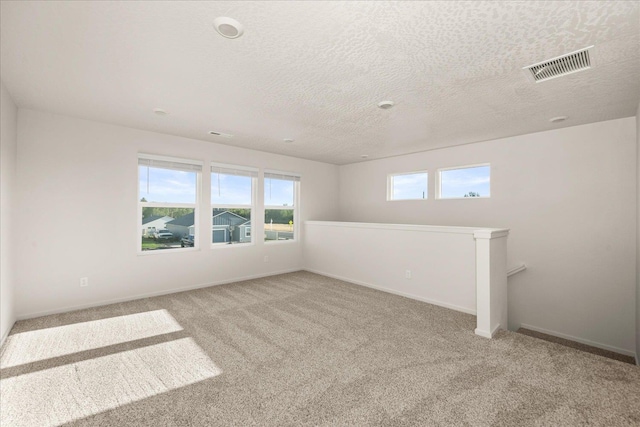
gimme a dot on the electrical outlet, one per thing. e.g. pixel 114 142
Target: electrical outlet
pixel 407 274
pixel 266 258
pixel 84 282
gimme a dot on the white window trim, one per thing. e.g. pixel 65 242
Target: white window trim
pixel 252 206
pixel 194 206
pixel 390 186
pixel 439 181
pixel 230 166
pixel 295 207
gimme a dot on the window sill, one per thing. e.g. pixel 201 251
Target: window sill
pixel 166 251
pixel 226 245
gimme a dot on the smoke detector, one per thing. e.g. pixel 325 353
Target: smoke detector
pixel 385 105
pixel 228 27
pixel 569 63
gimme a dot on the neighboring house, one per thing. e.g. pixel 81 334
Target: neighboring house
pixel 180 226
pixel 226 227
pixel 154 223
pixel 242 233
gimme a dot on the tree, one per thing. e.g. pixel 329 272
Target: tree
pixel 472 194
pixel 148 211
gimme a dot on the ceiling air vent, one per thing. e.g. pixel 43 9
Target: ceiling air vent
pixel 561 66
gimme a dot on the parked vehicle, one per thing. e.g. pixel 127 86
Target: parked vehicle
pixel 164 235
pixel 150 232
pixel 187 241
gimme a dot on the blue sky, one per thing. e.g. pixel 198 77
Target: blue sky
pixel 458 182
pixel 166 185
pixel 172 186
pixel 278 192
pixel 411 186
pixel 230 189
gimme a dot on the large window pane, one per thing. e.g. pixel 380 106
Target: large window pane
pixel 465 182
pixel 278 192
pixel 230 189
pixel 167 228
pixel 278 224
pixel 410 186
pixel 231 226
pixel 159 185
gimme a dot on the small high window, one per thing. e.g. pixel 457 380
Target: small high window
pixel 465 182
pixel 408 186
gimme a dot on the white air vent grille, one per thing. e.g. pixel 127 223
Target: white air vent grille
pixel 561 66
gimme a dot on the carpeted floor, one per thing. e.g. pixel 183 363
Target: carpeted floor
pixel 298 349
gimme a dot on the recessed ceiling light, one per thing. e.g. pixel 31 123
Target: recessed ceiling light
pixel 364 156
pixel 385 105
pixel 558 119
pixel 216 133
pixel 228 27
pixel 160 111
pixel 288 140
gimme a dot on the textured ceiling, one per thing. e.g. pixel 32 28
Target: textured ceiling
pixel 314 71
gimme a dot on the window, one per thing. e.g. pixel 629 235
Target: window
pixel 465 182
pixel 280 204
pixel 168 192
pixel 408 186
pixel 232 203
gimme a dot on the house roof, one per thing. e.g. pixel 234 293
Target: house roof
pixel 154 218
pixel 184 220
pixel 453 68
pixel 150 218
pixel 228 218
pixel 220 218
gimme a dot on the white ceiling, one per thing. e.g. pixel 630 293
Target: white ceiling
pixel 314 71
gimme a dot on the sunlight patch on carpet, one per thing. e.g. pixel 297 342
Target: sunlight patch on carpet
pixel 62 394
pixel 41 344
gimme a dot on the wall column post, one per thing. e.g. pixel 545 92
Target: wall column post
pixel 491 281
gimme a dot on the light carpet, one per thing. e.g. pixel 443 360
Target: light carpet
pixel 298 349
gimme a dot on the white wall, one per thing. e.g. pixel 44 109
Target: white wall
pixel 8 140
pixel 75 175
pixel 569 198
pixel 638 237
pixel 465 270
pixel 378 256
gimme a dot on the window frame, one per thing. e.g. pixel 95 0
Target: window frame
pixel 195 205
pixel 439 181
pixel 254 181
pixel 390 186
pixel 297 178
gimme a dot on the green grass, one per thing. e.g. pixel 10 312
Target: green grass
pixel 151 244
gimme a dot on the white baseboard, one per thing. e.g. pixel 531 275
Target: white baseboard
pixel 6 333
pixel 482 334
pixel 486 334
pixel 393 291
pixel 149 295
pixel 580 340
